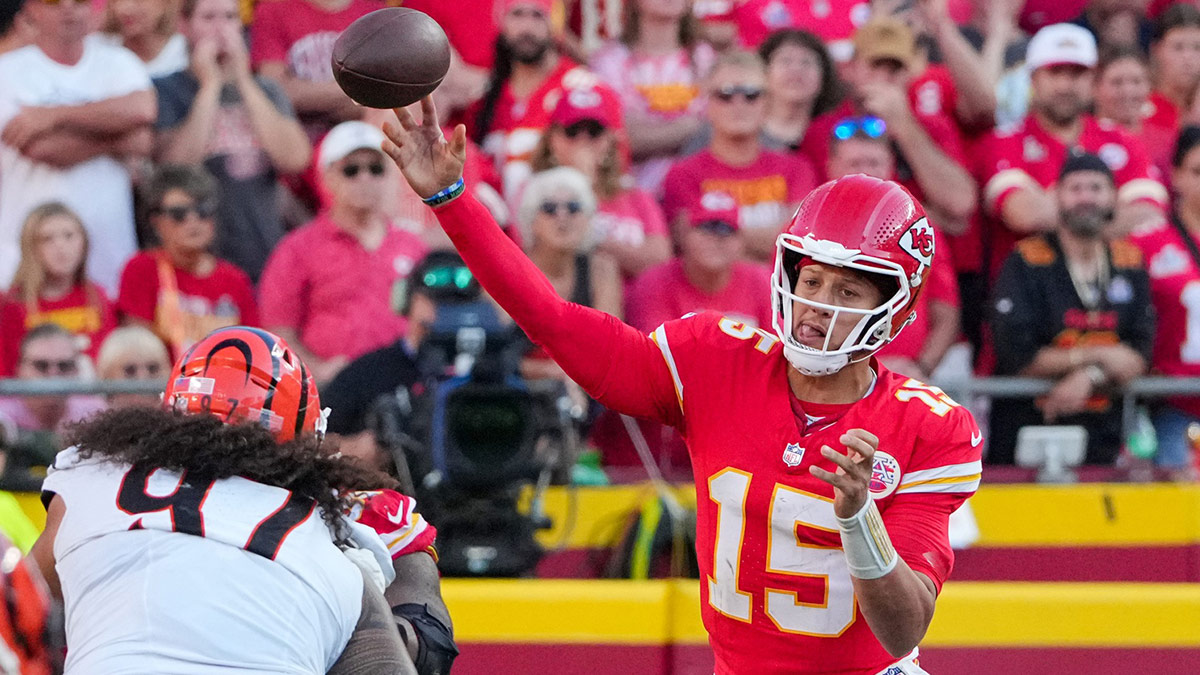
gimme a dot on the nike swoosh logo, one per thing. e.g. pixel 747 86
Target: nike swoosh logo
pixel 397 517
pixel 976 439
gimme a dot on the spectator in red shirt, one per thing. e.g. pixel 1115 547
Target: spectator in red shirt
pixel 327 287
pixel 708 274
pixel 528 77
pixel 180 290
pixel 582 134
pixel 918 350
pixel 1123 98
pixel 657 68
pixel 1172 254
pixel 1019 167
pixel 51 286
pixel 802 84
pixel 766 185
pixel 291 42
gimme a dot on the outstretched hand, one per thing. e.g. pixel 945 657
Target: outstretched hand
pixel 429 163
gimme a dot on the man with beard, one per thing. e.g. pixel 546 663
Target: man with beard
pixel 1072 307
pixel 1018 167
pixel 528 77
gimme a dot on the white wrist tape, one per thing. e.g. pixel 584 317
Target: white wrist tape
pixel 869 550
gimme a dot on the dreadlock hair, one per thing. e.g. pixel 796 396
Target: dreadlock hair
pixel 502 68
pixel 209 449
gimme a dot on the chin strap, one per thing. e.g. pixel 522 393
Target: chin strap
pixel 814 364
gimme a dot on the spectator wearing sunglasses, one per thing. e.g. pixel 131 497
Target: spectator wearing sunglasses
pixel 556 220
pixel 657 67
pixel 240 127
pixel 327 286
pixel 52 286
pixel 930 158
pixel 766 185
pixel 73 112
pixel 179 289
pixel 583 135
pixel 133 353
pixel 49 352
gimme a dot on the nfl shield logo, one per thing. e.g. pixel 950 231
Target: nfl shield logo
pixel 793 454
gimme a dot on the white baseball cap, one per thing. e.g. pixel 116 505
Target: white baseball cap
pixel 1061 43
pixel 347 137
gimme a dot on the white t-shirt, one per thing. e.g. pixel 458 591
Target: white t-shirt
pixel 99 190
pixel 172 58
pixel 262 590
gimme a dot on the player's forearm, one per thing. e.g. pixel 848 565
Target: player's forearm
pixel 897 606
pixel 109 116
pixel 613 362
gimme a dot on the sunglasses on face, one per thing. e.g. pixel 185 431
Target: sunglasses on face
pixel 719 228
pixel 871 127
pixel 352 170
pixel 728 93
pixel 179 213
pixel 54 367
pixel 555 208
pixel 133 371
pixel 591 128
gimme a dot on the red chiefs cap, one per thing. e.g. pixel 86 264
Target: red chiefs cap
pixel 597 103
pixel 714 210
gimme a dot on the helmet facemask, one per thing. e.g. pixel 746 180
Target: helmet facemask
pixel 874 328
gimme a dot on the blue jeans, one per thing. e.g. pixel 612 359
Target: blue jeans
pixel 1174 449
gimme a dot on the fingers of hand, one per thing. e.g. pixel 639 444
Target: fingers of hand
pixel 458 142
pixel 429 116
pixel 406 119
pixel 845 463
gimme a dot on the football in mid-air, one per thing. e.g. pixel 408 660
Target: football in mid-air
pixel 391 58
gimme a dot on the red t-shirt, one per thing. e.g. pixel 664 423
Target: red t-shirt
pixel 629 218
pixel 834 21
pixel 1008 161
pixel 223 298
pixel 89 315
pixel 766 191
pixel 663 293
pixel 941 286
pixel 1175 291
pixel 470 26
pixel 337 295
pixel 301 35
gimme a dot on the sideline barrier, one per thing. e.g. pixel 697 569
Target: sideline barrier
pixel 558 626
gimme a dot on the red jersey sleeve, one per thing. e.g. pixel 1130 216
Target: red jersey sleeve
pixel 942 473
pixel 616 364
pixel 394 517
pixel 138 295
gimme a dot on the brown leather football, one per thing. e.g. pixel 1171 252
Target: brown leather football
pixel 391 57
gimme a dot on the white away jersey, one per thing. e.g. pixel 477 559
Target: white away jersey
pixel 166 575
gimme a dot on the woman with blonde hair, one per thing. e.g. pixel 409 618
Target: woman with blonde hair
pixel 147 28
pixel 133 353
pixel 51 285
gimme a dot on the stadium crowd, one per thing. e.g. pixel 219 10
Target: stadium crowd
pixel 168 168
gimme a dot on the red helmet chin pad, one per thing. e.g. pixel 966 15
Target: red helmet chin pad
pixel 247 374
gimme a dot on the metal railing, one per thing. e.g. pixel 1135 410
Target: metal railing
pixel 963 390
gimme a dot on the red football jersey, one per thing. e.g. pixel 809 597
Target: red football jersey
pixel 1175 291
pixel 776 593
pixel 1010 160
